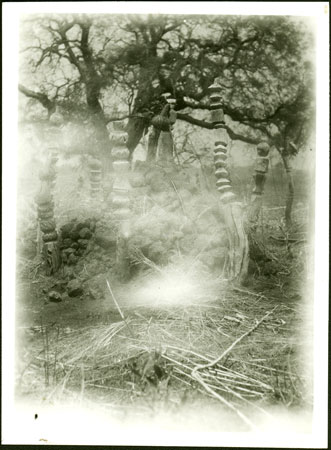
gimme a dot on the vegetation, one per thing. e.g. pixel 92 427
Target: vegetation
pixel 263 64
pixel 176 334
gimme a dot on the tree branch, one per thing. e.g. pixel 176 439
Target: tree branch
pixel 210 126
pixel 42 98
pixel 72 57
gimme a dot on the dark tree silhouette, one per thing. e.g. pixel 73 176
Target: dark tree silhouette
pixel 262 63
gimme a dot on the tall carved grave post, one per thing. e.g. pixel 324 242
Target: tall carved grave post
pixel 230 208
pixel 46 220
pixel 160 142
pixel 287 155
pixel 48 245
pixel 261 169
pixel 95 175
pixel 166 143
pixel 120 199
pixel 54 137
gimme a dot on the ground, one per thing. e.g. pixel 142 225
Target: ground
pixel 175 338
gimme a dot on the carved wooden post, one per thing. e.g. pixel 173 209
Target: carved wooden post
pixel 231 210
pixel 54 137
pixel 53 159
pixel 50 247
pixel 47 175
pixel 160 143
pixel 287 161
pixel 166 143
pixel 217 115
pixel 153 138
pixel 261 169
pixel 121 199
pixel 95 178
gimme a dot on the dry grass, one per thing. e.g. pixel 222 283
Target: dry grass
pixel 149 360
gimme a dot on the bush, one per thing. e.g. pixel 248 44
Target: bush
pixel 155 234
pixel 177 222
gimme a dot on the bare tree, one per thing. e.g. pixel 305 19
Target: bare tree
pixel 263 65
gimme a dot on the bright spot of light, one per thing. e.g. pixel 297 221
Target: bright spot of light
pixel 173 287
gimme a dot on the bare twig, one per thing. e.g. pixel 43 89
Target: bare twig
pixel 118 307
pixel 179 197
pixel 229 349
pixel 115 301
pixel 198 378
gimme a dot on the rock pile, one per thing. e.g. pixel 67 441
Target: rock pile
pixel 75 238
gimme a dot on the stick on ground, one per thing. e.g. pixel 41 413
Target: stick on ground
pixel 118 307
pixel 198 378
pixel 229 349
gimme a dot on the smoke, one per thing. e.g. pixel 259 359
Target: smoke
pixel 181 283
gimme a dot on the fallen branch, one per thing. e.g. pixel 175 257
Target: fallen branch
pixel 198 378
pixel 229 349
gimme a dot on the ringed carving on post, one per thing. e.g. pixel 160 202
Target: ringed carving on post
pixel 50 246
pixel 261 169
pixel 230 208
pixel 120 199
pixel 95 177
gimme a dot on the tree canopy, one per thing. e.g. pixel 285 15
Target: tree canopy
pixel 107 67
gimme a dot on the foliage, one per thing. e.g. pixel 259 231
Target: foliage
pixel 98 64
pixel 176 217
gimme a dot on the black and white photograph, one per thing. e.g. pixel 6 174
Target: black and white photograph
pixel 165 223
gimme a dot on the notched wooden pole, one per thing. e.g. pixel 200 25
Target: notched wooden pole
pixel 121 200
pixel 166 143
pixel 49 245
pixel 287 161
pixel 231 210
pixel 44 199
pixel 95 174
pixel 261 170
pixel 160 142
